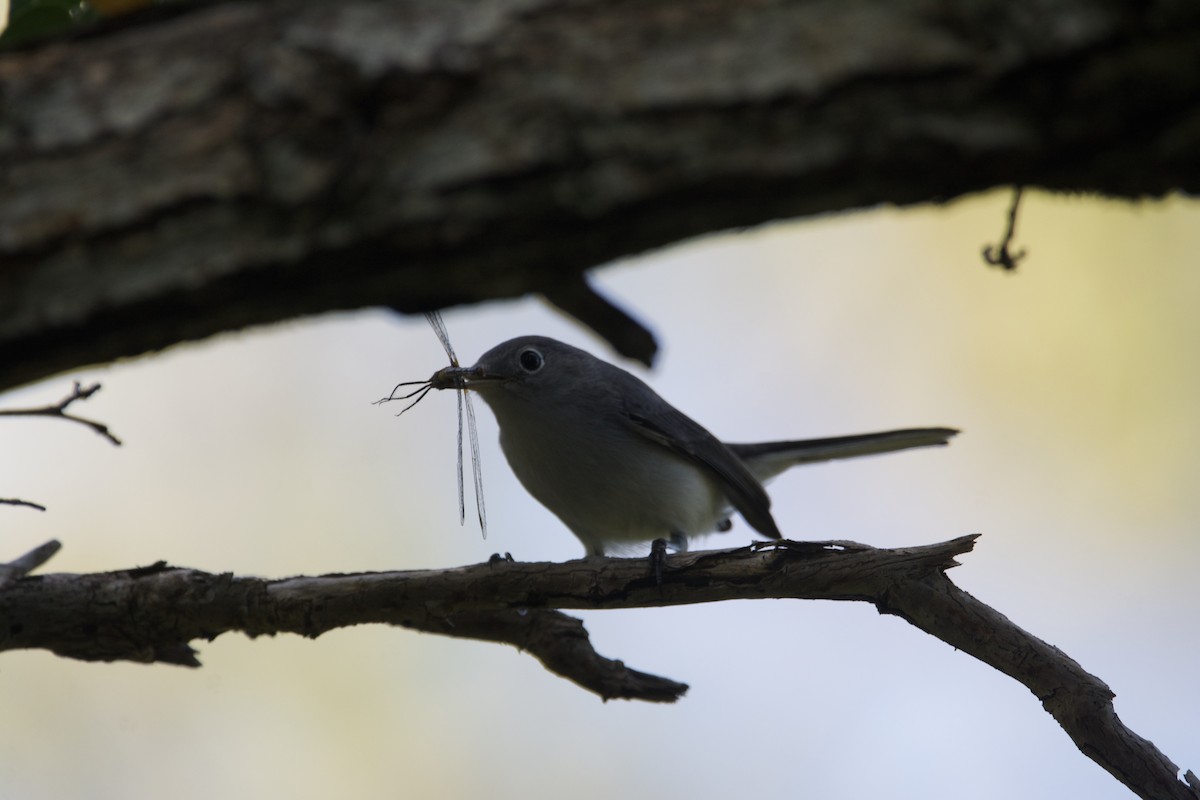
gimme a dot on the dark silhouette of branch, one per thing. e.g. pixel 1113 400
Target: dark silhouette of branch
pixel 14 501
pixel 20 567
pixel 1001 256
pixel 154 613
pixel 304 157
pixel 59 410
pixel 577 297
pixel 561 644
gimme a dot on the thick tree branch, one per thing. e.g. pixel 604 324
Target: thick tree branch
pixel 153 613
pixel 234 164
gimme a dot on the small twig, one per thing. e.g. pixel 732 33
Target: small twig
pixel 575 296
pixel 1002 256
pixel 561 643
pixel 60 411
pixel 13 501
pixel 20 567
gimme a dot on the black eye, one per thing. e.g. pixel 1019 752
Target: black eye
pixel 531 360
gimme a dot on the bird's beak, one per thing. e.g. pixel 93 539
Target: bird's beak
pixel 462 378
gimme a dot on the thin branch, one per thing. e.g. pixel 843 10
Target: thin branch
pixel 20 567
pixel 15 501
pixel 578 298
pixel 1001 256
pixel 153 613
pixel 562 645
pixel 60 410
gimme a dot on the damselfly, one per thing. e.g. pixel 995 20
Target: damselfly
pixel 452 377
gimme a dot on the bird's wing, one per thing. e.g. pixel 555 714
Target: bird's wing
pixel 661 422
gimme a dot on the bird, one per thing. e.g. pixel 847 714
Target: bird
pixel 618 464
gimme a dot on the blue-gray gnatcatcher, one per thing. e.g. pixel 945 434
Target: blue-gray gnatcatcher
pixel 620 465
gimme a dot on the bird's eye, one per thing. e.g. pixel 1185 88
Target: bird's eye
pixel 531 360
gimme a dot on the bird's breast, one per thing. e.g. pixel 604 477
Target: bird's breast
pixel 607 482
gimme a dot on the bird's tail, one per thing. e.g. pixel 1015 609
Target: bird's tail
pixel 768 459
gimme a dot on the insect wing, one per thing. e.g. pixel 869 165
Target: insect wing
pixel 434 318
pixel 462 502
pixel 476 470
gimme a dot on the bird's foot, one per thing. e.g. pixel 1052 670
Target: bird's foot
pixel 658 559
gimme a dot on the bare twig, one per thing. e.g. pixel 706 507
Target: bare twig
pixel 153 613
pixel 575 296
pixel 60 410
pixel 14 501
pixel 562 645
pixel 1001 256
pixel 20 567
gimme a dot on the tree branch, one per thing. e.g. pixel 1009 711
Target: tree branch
pixel 59 410
pixel 20 567
pixel 578 298
pixel 1000 255
pixel 16 501
pixel 153 613
pixel 561 644
pixel 231 164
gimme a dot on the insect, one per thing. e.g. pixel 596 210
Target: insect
pixel 451 377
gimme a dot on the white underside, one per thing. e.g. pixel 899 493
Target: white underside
pixel 605 496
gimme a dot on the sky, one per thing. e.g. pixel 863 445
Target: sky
pixel 1075 382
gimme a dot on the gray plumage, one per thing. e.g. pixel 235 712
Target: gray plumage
pixel 620 465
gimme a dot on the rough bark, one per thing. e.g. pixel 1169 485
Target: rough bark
pixel 152 614
pixel 219 165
